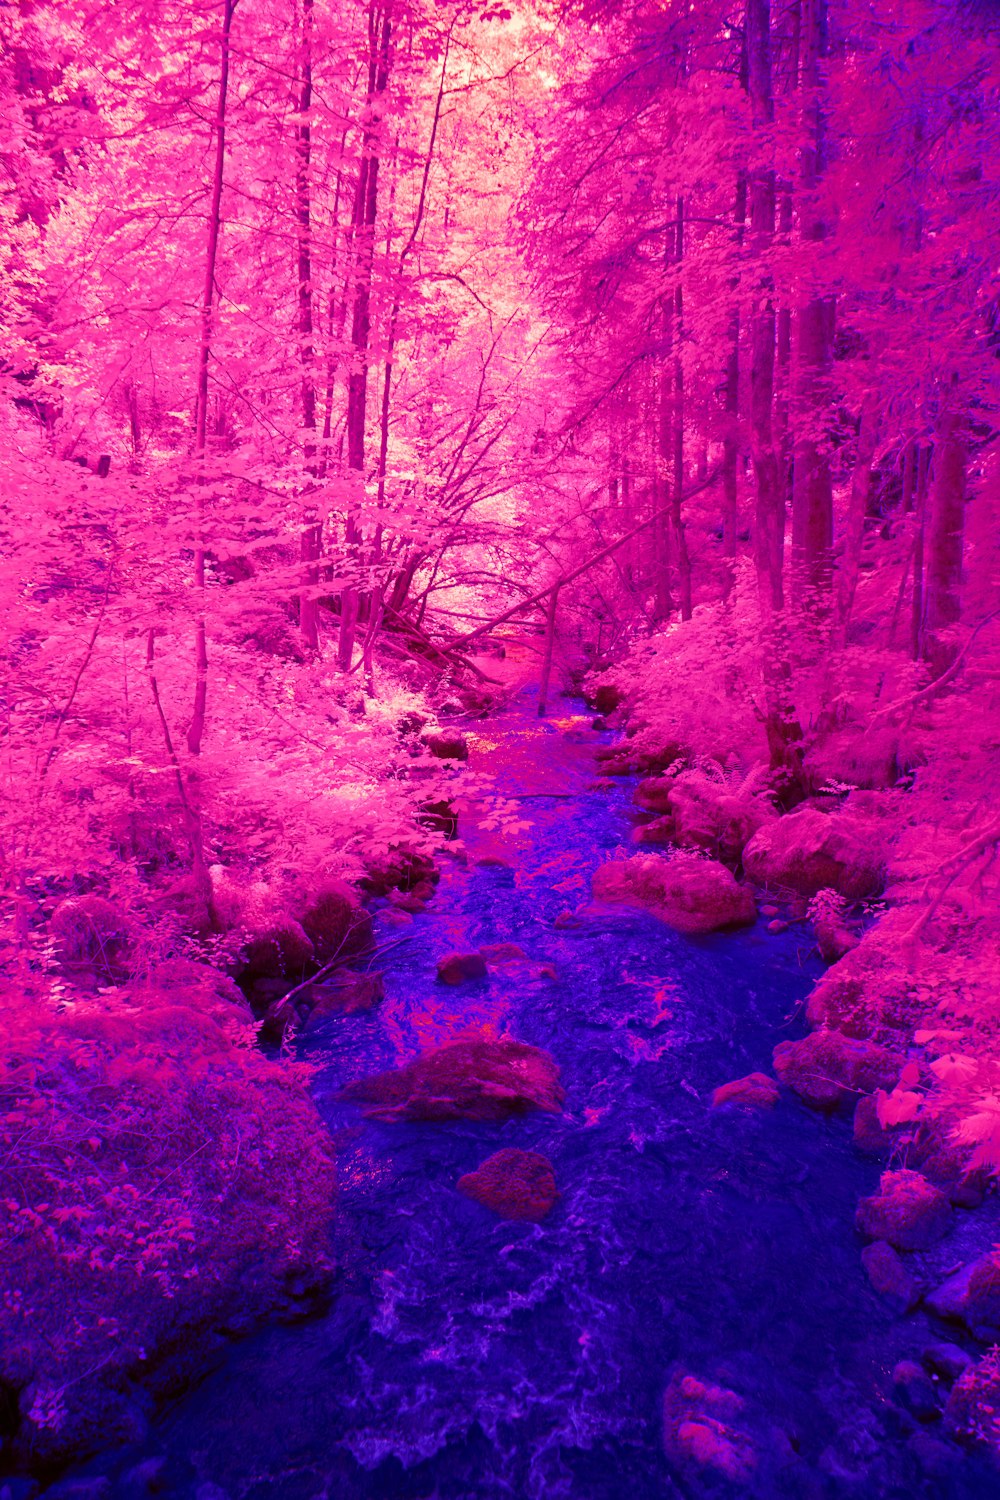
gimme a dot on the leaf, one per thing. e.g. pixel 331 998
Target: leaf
pixel 954 1068
pixel 897 1108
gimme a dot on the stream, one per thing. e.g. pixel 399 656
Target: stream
pixel 464 1356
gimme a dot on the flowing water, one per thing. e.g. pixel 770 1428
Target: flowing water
pixel 469 1357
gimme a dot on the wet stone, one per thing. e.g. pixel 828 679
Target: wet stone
pixel 514 1184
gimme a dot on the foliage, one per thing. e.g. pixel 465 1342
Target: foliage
pixel 161 1179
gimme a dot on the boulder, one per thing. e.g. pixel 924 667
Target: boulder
pixel 808 851
pixel 833 939
pixel 605 698
pixel 700 1432
pixel 617 760
pixel 692 894
pixel 946 1361
pixel 90 930
pixel 950 1299
pixel 982 1303
pixel 653 794
pixel 502 953
pixel 915 1390
pixel 659 831
pixel 514 1184
pixel 196 985
pixel 756 1090
pixel 457 968
pixel 336 923
pixel 907 1211
pixel 407 901
pixel 870 1137
pixel 471 1079
pixel 947 1165
pixel 837 1000
pixel 707 814
pixel 889 1276
pixel 972 1412
pixel 445 746
pixel 827 1069
pixel 280 950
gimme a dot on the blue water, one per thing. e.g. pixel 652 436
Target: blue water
pixel 469 1357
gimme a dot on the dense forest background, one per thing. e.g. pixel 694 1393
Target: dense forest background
pixel 332 333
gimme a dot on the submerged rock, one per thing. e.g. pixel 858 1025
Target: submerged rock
pixel 692 894
pixel 907 1211
pixel 827 1069
pixel 502 953
pixel 889 1276
pixel 514 1184
pixel 456 968
pixel 756 1090
pixel 700 1434
pixel 473 1079
pixel 915 1390
pixel 343 993
pixel 808 851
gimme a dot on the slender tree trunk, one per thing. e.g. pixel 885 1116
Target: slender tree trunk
pixel 945 531
pixel 861 490
pixel 731 443
pixel 196 730
pixel 677 518
pixel 909 477
pixel 550 641
pixel 917 616
pixel 812 491
pixel 770 525
pixel 783 732
pixel 311 540
pixel 363 233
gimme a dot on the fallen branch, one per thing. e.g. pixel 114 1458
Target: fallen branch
pixel 939 683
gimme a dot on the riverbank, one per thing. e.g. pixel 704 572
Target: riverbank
pixel 905 1021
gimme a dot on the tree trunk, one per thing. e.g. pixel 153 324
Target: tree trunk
pixel 363 233
pixel 945 528
pixel 731 445
pixel 196 730
pixel 812 491
pixel 311 539
pixel 861 489
pixel 783 732
pixel 917 618
pixel 677 518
